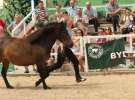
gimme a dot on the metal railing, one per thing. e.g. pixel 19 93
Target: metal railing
pixel 23 22
pixel 31 14
pixel 99 6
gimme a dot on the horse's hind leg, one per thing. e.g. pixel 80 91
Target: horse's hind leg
pixel 4 73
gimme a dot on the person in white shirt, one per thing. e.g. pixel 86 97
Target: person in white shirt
pixel 91 14
pixel 112 13
pixel 10 28
pixel 133 12
pixel 79 16
pixel 79 21
pixel 58 13
pixel 126 21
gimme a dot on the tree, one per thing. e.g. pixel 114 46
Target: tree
pixel 12 7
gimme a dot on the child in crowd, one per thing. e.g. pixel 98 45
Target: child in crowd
pixel 104 31
pixel 126 21
pixel 58 14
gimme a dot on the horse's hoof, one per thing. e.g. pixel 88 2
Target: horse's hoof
pixel 47 87
pixel 35 71
pixel 10 87
pixel 37 84
pixel 26 72
pixel 81 80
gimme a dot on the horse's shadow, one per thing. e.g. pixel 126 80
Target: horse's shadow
pixel 60 87
pixel 78 86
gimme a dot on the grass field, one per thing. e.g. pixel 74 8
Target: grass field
pixel 94 2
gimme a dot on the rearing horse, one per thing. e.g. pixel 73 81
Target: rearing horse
pixel 34 49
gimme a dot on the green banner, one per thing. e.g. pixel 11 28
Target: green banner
pixel 106 54
pixel 10 69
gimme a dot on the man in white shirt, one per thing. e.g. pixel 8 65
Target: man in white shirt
pixel 18 19
pixel 133 11
pixel 112 13
pixel 91 14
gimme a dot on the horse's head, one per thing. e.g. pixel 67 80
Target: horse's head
pixel 63 35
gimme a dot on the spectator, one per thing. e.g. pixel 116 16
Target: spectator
pixel 2 25
pixel 108 31
pixel 79 21
pixel 18 19
pixel 133 38
pixel 133 11
pixel 112 13
pixel 68 20
pixel 72 9
pixel 101 32
pixel 79 16
pixel 58 13
pixel 76 48
pixel 104 31
pixel 91 15
pixel 126 21
pixel 41 15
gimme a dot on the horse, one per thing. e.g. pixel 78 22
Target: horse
pixel 34 49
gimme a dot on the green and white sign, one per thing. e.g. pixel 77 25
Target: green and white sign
pixel 105 54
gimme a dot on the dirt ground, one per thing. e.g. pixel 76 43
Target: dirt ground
pixel 109 87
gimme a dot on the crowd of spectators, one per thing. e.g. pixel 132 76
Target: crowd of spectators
pixel 121 18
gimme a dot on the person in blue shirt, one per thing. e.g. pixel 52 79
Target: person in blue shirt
pixel 72 9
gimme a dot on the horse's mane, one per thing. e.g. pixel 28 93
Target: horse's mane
pixel 44 31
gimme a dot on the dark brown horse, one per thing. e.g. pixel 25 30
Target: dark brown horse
pixel 34 49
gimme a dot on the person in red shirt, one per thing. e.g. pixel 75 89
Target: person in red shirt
pixel 2 25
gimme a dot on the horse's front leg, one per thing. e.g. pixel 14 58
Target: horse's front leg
pixel 55 66
pixel 38 82
pixel 43 72
pixel 4 73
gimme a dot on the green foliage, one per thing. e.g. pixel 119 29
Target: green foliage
pixel 13 7
pixel 131 66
